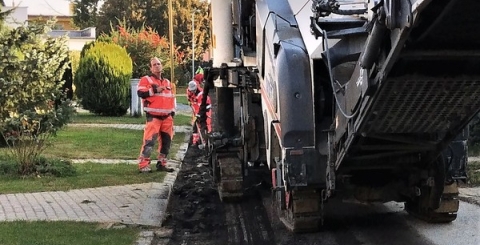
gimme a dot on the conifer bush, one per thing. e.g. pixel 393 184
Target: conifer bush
pixel 102 79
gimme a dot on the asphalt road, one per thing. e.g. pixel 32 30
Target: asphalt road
pixel 386 224
pixel 197 217
pixel 346 224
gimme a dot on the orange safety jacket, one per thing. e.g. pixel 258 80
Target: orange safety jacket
pixel 154 103
pixel 198 102
pixel 192 95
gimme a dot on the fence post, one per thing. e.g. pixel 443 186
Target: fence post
pixel 136 106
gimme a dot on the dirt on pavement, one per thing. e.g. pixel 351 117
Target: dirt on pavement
pixel 196 215
pixel 195 211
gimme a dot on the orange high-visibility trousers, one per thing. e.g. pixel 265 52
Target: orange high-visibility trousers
pixel 160 130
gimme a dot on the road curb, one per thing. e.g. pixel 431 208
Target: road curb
pixel 170 182
pixel 159 197
pixel 469 199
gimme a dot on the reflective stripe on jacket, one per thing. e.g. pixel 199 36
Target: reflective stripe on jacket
pixel 157 104
pixel 198 102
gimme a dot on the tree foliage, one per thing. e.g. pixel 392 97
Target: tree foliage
pixel 154 13
pixel 32 104
pixel 474 131
pixel 85 13
pixel 183 26
pixel 142 44
pixel 3 15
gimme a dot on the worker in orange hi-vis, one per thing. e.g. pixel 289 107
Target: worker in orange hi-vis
pixel 198 78
pixel 159 105
pixel 192 90
pixel 195 99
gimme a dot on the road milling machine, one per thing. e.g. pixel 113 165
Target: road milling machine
pixel 352 99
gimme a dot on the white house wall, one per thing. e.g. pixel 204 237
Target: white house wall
pixel 77 44
pixel 18 17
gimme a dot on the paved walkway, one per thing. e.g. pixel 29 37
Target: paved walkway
pixel 139 204
pixel 131 204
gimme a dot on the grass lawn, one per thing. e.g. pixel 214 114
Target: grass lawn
pixel 84 142
pixel 90 142
pixel 474 150
pixel 111 143
pixel 473 173
pixel 63 233
pixel 89 175
pixel 182 99
pixel 90 118
pixel 182 120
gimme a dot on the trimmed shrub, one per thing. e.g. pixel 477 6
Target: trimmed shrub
pixel 102 80
pixel 75 59
pixel 42 167
pixel 55 167
pixel 86 47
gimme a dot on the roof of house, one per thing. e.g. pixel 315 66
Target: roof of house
pixel 43 7
pixel 88 33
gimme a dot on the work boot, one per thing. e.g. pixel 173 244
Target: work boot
pixel 163 168
pixel 162 165
pixel 145 169
pixel 144 165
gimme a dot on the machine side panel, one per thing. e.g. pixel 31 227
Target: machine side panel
pixel 295 96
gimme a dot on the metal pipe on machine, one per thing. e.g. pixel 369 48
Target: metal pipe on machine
pixel 222 44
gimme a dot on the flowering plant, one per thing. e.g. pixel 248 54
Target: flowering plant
pixel 142 45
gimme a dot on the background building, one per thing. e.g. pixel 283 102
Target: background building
pixel 40 11
pixel 17 17
pixel 43 10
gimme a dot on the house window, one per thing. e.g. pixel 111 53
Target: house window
pixel 58 27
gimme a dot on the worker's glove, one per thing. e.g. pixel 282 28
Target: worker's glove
pixel 157 89
pixel 172 113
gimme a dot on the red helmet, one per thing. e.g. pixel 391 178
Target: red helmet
pixel 198 78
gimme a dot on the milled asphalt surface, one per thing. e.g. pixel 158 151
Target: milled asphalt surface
pixel 137 204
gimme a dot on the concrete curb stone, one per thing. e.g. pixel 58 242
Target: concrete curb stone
pixel 470 195
pixel 158 200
